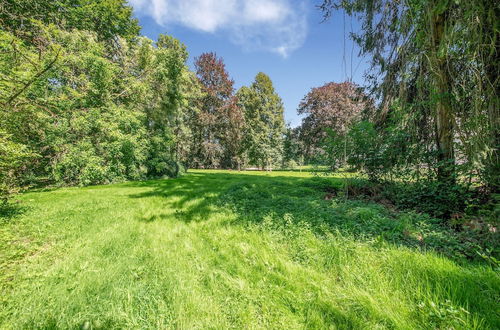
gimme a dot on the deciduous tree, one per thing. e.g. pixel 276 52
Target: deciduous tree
pixel 332 106
pixel 215 104
pixel 265 124
pixel 435 70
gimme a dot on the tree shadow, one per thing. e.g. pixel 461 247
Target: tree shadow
pixel 255 197
pixel 315 201
pixel 281 200
pixel 191 197
pixel 195 196
pixel 10 210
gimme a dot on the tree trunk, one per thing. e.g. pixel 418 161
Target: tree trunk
pixel 493 163
pixel 491 70
pixel 443 114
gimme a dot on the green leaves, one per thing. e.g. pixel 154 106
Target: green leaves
pixel 440 6
pixel 434 69
pixel 107 18
pixel 92 116
pixel 265 123
pixel 12 157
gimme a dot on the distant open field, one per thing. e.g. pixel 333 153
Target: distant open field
pixel 222 249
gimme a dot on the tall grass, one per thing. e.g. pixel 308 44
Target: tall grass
pixel 220 249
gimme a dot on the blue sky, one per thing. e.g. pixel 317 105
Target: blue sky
pixel 285 39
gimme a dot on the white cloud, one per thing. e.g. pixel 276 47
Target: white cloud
pixel 279 26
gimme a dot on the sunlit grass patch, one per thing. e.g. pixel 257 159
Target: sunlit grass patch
pixel 220 249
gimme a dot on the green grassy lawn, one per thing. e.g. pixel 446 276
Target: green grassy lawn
pixel 221 249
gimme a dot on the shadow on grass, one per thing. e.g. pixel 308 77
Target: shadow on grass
pixel 11 210
pixel 258 197
pixel 196 195
pixel 283 199
pixel 191 196
pixel 254 198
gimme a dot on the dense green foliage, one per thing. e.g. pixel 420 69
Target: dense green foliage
pixel 86 100
pixel 265 127
pixel 12 156
pixel 216 249
pixel 107 18
pixel 435 73
pixel 87 118
pixel 401 232
pixel 435 130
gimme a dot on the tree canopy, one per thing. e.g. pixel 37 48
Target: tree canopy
pixel 333 106
pixel 265 122
pixel 87 100
pixel 435 73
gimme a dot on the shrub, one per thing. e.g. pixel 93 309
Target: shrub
pixel 322 184
pixel 437 199
pixel 12 156
pixel 432 197
pixel 175 169
pixel 290 164
pixel 360 148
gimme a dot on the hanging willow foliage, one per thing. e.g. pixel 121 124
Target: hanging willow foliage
pixel 434 70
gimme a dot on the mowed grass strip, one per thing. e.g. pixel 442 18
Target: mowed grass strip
pixel 220 249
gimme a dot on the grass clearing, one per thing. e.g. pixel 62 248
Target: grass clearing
pixel 221 249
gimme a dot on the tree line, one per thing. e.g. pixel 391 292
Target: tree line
pixel 434 128
pixel 87 100
pixel 425 130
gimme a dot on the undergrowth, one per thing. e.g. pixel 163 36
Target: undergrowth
pixel 362 210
